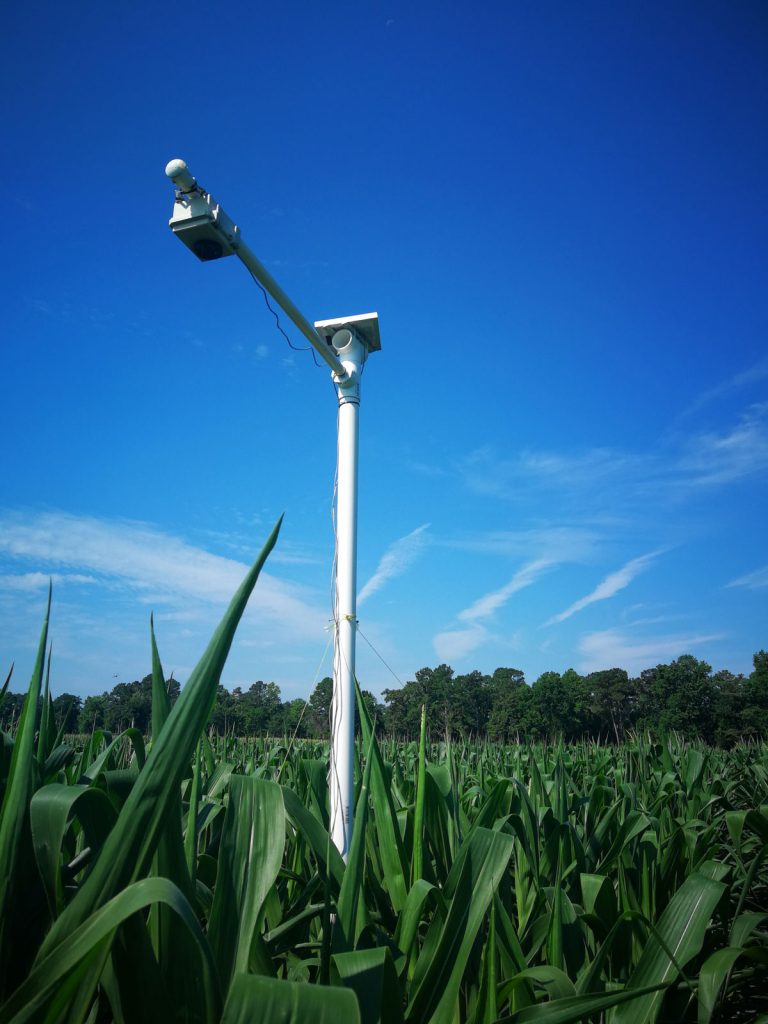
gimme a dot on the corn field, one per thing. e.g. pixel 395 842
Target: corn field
pixel 190 877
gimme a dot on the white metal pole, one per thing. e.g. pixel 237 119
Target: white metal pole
pixel 352 353
pixel 204 227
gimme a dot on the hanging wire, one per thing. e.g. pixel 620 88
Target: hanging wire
pixel 306 705
pixel 296 348
pixel 379 656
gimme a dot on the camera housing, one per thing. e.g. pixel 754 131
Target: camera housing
pixel 203 226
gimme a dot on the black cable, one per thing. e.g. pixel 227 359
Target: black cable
pixel 296 348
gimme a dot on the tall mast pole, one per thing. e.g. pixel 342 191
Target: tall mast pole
pixel 352 353
pixel 343 344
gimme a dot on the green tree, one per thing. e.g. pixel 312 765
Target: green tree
pixel 610 703
pixel 260 708
pixel 553 706
pixel 10 709
pixel 470 699
pixel 755 712
pixel 296 717
pixel 679 697
pixel 728 708
pixel 66 710
pixel 511 714
pixel 432 688
pixel 320 701
pixel 376 710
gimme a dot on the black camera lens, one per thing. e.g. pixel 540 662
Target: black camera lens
pixel 207 249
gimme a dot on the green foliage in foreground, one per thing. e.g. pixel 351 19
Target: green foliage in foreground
pixel 192 878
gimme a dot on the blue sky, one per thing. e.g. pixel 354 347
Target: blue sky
pixel 559 212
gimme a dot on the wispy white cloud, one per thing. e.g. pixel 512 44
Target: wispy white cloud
pixel 33 581
pixel 613 648
pixel 715 459
pixel 485 472
pixel 396 560
pixel 739 381
pixel 486 605
pixel 553 543
pixel 608 587
pixel 146 560
pixel 603 478
pixel 755 580
pixel 457 643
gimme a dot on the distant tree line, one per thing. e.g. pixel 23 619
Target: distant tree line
pixel 685 696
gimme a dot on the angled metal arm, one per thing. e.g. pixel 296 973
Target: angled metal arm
pixel 263 276
pixel 204 227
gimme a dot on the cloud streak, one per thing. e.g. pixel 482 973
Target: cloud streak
pixel 713 460
pixel 146 560
pixel 737 382
pixel 456 643
pixel 396 560
pixel 611 585
pixel 617 649
pixel 752 580
pixel 604 478
pixel 486 605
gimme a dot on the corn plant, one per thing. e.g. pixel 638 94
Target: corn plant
pixel 189 876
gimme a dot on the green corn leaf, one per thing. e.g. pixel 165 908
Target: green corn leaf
pixel 411 915
pixel 47 729
pixel 85 941
pixel 487 1009
pixel 252 998
pixel 385 817
pixel 555 981
pixel 441 965
pixel 129 849
pixel 352 914
pixel 714 971
pixel 170 939
pixel 14 814
pixel 418 820
pixel 744 925
pixel 161 705
pixel 315 835
pixel 370 973
pixel 101 762
pixel 190 837
pixel 250 857
pixel 682 927
pixel 50 810
pixel 570 1009
pixel 7 683
pixel 599 898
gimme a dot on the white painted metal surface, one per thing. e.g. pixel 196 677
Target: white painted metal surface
pixel 343 344
pixel 352 352
pixel 200 222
